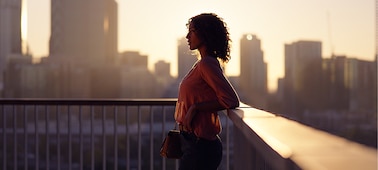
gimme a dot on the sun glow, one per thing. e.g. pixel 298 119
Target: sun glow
pixel 24 27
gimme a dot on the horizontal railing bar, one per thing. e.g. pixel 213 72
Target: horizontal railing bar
pixel 92 102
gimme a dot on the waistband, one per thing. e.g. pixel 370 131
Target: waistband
pixel 194 137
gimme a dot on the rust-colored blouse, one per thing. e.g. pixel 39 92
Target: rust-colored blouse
pixel 205 82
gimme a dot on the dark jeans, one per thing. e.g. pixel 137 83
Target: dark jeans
pixel 199 154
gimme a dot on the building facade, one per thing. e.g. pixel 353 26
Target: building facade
pixel 10 33
pixel 186 59
pixel 303 70
pixel 253 72
pixel 84 31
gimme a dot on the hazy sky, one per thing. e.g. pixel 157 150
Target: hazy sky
pixel 153 27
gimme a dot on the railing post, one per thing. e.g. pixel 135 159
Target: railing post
pixel 92 140
pixel 4 140
pixel 14 137
pixel 162 136
pixel 81 137
pixel 69 138
pixel 139 138
pixel 227 144
pixel 127 139
pixel 58 135
pixel 115 138
pixel 151 139
pixel 47 129
pixel 25 139
pixel 103 139
pixel 36 137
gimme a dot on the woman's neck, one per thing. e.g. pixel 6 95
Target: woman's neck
pixel 203 51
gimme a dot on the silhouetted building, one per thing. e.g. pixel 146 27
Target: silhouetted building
pixel 162 68
pixel 16 76
pixel 303 72
pixel 186 59
pixel 253 72
pixel 163 75
pixel 348 84
pixel 27 80
pixel 133 59
pixel 335 83
pixel 348 106
pixel 10 33
pixel 105 82
pixel 136 81
pixel 362 83
pixel 83 48
pixel 84 32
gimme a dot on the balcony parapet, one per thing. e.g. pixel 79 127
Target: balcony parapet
pixel 267 141
pixel 261 140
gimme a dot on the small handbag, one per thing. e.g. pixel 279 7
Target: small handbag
pixel 171 146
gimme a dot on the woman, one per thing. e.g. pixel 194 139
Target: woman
pixel 203 92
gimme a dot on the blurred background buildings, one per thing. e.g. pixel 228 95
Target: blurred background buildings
pixel 337 94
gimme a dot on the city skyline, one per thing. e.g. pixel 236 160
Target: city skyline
pixel 154 31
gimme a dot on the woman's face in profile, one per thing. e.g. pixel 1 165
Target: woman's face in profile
pixel 193 40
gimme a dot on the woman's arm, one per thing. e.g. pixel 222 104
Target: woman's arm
pixel 201 107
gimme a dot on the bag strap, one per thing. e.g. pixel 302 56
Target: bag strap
pixel 176 126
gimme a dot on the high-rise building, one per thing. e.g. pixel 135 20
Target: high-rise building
pixel 186 59
pixel 351 84
pixel 163 75
pixel 135 79
pixel 253 72
pixel 83 31
pixel 133 59
pixel 303 71
pixel 162 68
pixel 362 85
pixel 10 32
pixel 335 83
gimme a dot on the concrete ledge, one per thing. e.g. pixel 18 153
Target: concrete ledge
pixel 287 144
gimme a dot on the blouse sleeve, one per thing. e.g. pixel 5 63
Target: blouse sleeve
pixel 212 74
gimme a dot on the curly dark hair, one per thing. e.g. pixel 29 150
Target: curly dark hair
pixel 213 31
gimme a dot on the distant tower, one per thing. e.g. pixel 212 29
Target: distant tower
pixel 133 59
pixel 253 71
pixel 162 68
pixel 83 31
pixel 185 58
pixel 163 74
pixel 10 30
pixel 302 76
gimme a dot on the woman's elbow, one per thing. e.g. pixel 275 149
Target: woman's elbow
pixel 232 104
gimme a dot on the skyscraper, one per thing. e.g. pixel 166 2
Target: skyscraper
pixel 253 71
pixel 10 32
pixel 185 58
pixel 83 31
pixel 163 75
pixel 302 76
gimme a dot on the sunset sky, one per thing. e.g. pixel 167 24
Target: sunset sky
pixel 153 27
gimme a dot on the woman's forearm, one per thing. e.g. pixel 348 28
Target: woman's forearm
pixel 210 106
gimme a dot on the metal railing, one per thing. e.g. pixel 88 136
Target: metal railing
pixel 84 133
pixel 127 134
